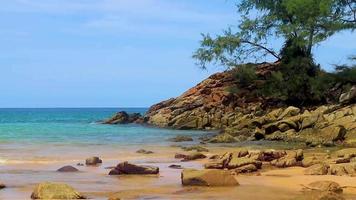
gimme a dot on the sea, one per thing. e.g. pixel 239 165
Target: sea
pixel 56 133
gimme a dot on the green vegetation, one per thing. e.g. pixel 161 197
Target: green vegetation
pixel 302 24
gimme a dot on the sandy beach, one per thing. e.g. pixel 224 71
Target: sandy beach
pixel 95 183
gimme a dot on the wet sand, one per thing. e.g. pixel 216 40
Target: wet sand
pixel 21 176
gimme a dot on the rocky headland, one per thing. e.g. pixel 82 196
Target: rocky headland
pixel 240 116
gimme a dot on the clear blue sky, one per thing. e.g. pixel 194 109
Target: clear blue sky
pixel 113 53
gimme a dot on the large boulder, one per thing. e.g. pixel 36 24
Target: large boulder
pixel 128 168
pixel 208 177
pixel 49 190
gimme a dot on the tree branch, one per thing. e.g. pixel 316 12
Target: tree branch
pixel 262 47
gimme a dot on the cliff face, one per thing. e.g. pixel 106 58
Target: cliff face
pixel 212 105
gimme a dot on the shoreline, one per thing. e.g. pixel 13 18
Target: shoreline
pixel 94 182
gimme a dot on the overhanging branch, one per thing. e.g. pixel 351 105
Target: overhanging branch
pixel 273 53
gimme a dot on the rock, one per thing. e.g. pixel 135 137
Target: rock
pixel 181 138
pixel 309 161
pixel 329 196
pixel 219 163
pixel 191 156
pixel 342 160
pixel 289 112
pixel 246 169
pixel 318 169
pixel 207 177
pixel 179 155
pixel 346 153
pixel 49 190
pixel 2 186
pixel 115 197
pixel 143 151
pixel 237 162
pixel 268 155
pixel 123 117
pixel 119 118
pixel 344 169
pixel 349 96
pixel 290 160
pixel 93 161
pixel 196 148
pixel 175 166
pixel 80 164
pixel 285 162
pixel 67 168
pixel 325 186
pixel 128 168
pixel 223 138
pixel 319 195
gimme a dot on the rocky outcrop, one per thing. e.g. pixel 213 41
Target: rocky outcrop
pixel 128 168
pixel 241 116
pixel 123 117
pixel 49 190
pixel 207 177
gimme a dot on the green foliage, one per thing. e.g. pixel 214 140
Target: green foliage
pixel 346 74
pixel 299 81
pixel 301 24
pixel 246 74
pixel 305 22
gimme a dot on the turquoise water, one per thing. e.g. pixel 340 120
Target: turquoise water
pixel 78 126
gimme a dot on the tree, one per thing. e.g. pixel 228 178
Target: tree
pixel 302 23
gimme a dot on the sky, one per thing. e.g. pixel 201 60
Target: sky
pixel 114 53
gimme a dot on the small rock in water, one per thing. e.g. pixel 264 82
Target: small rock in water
pixel 175 166
pixel 80 164
pixel 93 161
pixel 67 168
pixel 2 186
pixel 143 151
pixel 128 168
